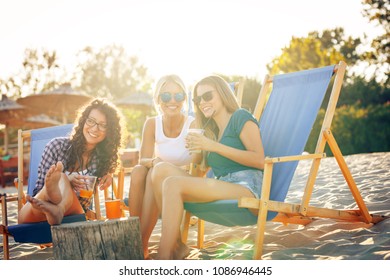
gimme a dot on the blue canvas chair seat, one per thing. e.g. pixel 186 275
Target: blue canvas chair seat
pixel 222 212
pixel 33 232
pixel 38 232
pixel 285 126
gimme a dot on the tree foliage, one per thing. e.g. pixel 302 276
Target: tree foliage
pixel 110 72
pixel 40 72
pixel 356 129
pixel 378 11
pixel 364 93
pixel 315 50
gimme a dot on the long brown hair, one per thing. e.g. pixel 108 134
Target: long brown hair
pixel 228 100
pixel 107 151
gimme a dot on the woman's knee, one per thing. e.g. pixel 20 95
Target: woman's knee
pixel 162 170
pixel 173 186
pixel 138 173
pixel 139 170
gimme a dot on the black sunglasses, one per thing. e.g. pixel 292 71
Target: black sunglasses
pixel 206 97
pixel 167 96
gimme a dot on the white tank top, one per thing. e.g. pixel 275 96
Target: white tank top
pixel 172 150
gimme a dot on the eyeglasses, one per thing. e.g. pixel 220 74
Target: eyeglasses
pixel 91 123
pixel 167 96
pixel 206 97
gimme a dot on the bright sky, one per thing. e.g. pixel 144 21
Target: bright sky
pixel 191 38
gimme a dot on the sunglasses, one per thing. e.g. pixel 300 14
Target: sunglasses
pixel 167 96
pixel 206 97
pixel 91 123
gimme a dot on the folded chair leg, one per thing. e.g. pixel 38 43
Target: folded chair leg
pixel 4 225
pixel 263 210
pixel 347 175
pixel 200 233
pixel 261 221
pixel 5 246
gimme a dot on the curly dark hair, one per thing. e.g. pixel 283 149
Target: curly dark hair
pixel 106 151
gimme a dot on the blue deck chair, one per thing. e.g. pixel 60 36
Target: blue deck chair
pixel 33 232
pixel 285 125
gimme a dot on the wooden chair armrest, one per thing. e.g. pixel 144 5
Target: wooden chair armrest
pixel 293 158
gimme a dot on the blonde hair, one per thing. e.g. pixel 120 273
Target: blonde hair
pixel 161 82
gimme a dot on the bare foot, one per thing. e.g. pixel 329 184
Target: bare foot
pixel 182 251
pixel 53 176
pixel 53 213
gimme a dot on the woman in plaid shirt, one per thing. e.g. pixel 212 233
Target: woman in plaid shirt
pixel 92 149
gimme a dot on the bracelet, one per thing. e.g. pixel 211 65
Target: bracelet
pixel 154 160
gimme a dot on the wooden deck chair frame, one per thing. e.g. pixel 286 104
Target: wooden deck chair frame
pixel 301 213
pixel 20 198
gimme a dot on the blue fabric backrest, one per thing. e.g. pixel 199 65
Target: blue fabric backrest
pixel 285 126
pixel 39 139
pixel 288 118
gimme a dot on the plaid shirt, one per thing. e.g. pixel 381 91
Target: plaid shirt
pixel 56 150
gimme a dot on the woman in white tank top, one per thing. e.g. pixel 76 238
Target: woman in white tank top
pixel 172 149
pixel 163 139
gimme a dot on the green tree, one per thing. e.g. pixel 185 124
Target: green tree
pixel 40 72
pixel 335 39
pixel 356 129
pixel 315 50
pixel 364 93
pixel 110 72
pixel 135 120
pixel 378 12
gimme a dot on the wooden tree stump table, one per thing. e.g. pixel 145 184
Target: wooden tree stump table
pixel 118 239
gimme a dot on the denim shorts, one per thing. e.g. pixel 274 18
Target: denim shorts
pixel 250 179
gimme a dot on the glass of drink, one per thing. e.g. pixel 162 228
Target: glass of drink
pixel 113 208
pixel 89 185
pixel 198 131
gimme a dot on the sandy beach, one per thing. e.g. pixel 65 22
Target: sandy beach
pixel 320 240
